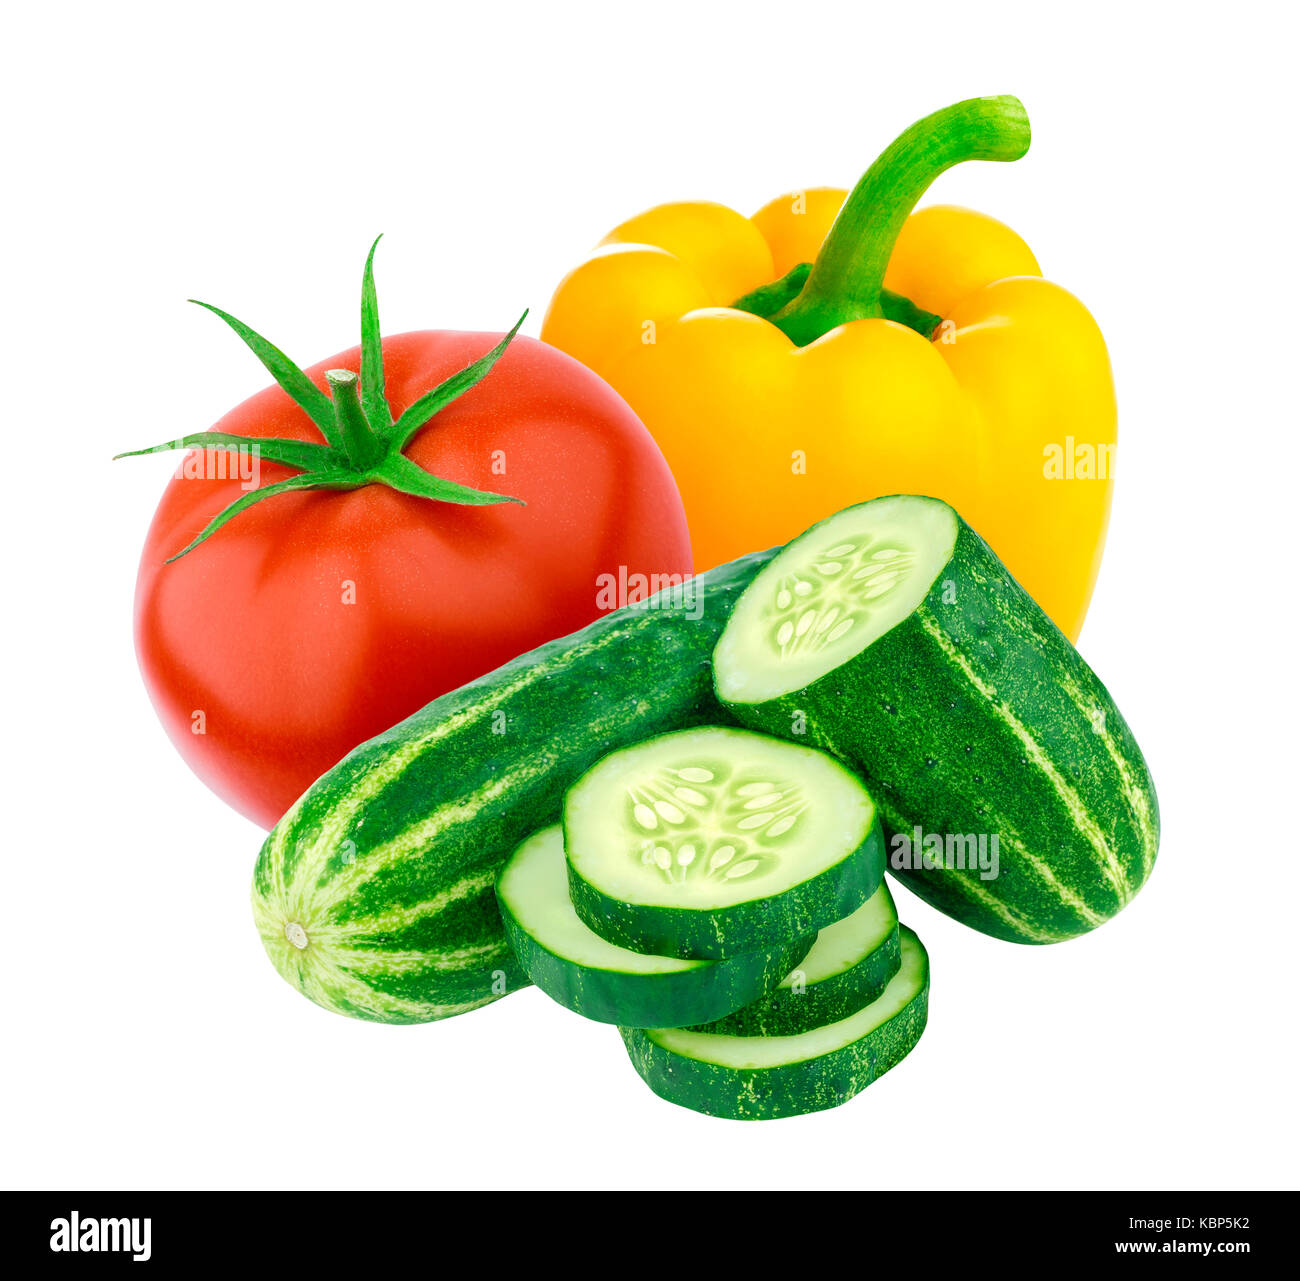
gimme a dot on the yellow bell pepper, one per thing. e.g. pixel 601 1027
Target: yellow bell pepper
pixel 918 353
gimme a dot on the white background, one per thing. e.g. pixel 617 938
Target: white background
pixel 248 154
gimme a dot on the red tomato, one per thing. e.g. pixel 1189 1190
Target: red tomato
pixel 315 620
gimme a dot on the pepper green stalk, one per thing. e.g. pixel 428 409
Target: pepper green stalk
pixel 846 282
pixel 767 300
pixel 363 443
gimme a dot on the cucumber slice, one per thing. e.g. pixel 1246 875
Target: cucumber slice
pixel 830 594
pixel 756 1078
pixel 1013 794
pixel 601 981
pixel 849 965
pixel 711 842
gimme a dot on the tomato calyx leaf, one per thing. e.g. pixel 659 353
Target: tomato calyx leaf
pixel 445 392
pixel 363 445
pixel 302 454
pixel 301 390
pixel 398 472
pixel 306 480
pixel 373 397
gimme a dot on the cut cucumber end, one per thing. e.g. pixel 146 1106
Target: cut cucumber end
pixel 764 1077
pixel 711 842
pixel 610 984
pixel 831 593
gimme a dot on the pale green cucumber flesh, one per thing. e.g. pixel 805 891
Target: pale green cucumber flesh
pixel 599 980
pixel 1012 791
pixel 850 964
pixel 764 1077
pixel 712 842
pixel 830 594
pixel 375 895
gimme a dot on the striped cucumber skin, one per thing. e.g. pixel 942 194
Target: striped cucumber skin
pixel 795 1005
pixel 375 894
pixel 681 1067
pixel 975 715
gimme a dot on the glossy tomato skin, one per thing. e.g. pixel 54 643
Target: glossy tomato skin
pixel 313 621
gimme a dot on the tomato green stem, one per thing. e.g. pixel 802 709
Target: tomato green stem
pixel 847 279
pixel 360 443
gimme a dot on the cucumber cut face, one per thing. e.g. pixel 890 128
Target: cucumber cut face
pixel 711 842
pixel 832 593
pixel 750 1078
pixel 599 980
pixel 850 964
